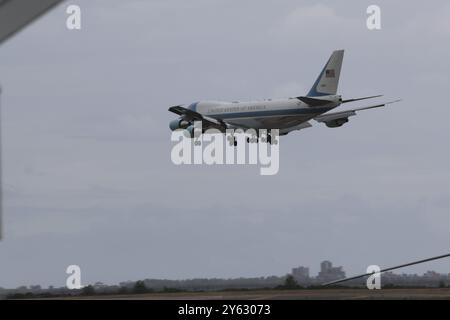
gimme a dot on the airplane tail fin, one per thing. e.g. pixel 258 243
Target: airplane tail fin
pixel 327 82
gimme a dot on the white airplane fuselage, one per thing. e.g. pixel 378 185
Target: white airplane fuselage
pixel 264 114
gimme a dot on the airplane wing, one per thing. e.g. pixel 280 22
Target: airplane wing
pixel 195 116
pixel 316 102
pixel 337 119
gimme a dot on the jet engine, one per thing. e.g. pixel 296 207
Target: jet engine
pixel 336 122
pixel 179 123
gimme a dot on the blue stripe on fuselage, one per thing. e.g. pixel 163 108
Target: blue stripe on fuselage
pixel 268 113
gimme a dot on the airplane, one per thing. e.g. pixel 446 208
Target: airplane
pixel 286 115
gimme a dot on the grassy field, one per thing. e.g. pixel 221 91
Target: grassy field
pixel 340 294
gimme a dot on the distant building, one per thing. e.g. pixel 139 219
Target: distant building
pixel 432 275
pixel 301 274
pixel 329 273
pixel 326 265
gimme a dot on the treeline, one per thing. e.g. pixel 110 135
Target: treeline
pixel 146 286
pixel 211 283
pixel 149 286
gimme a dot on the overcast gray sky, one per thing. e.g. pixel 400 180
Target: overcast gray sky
pixel 88 178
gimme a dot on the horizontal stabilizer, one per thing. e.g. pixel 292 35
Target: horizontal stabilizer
pixel 358 99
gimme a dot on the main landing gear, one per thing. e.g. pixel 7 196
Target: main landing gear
pixel 253 139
